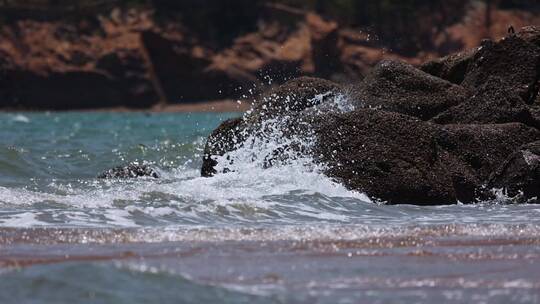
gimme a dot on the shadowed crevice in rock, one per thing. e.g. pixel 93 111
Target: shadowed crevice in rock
pixel 452 67
pixel 519 176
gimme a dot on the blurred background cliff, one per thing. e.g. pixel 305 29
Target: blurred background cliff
pixel 65 54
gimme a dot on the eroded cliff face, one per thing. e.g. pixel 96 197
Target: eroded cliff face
pixel 129 59
pixel 133 58
pixel 61 65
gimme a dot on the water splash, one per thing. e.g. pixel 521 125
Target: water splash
pixel 284 141
pixel 63 191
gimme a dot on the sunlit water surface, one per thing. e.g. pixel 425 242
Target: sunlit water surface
pixel 285 234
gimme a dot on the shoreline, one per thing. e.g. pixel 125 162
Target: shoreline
pixel 219 106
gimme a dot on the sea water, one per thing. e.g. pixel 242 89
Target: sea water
pixel 284 234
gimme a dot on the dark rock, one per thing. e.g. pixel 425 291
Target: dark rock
pixel 530 34
pixel 519 175
pixel 132 170
pixel 389 156
pixel 452 67
pixel 293 97
pixel 225 138
pixel 399 159
pixel 392 157
pixel 283 102
pixel 408 137
pixel 512 59
pixel 535 110
pixel 494 102
pixel 484 147
pixel 399 87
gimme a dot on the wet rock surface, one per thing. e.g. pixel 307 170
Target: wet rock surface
pixel 406 136
pixel 225 138
pixel 519 176
pixel 284 107
pixel 292 97
pixel 399 159
pixel 391 156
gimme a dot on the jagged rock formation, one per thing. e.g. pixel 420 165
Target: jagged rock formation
pixel 411 137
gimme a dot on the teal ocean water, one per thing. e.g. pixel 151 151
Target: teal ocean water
pixel 285 234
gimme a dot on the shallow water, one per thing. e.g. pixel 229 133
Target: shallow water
pixel 285 234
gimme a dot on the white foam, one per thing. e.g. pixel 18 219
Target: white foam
pixel 289 171
pixel 530 158
pixel 20 118
pixel 25 219
pixel 118 217
pixel 244 193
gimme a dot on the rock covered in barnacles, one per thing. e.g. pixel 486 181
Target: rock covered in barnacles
pixel 399 87
pixel 514 60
